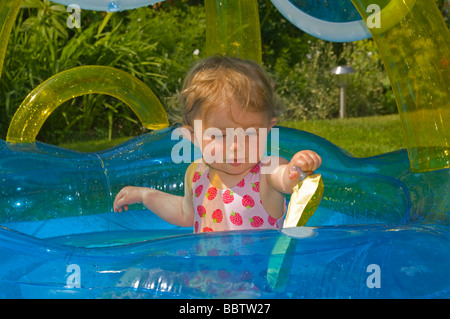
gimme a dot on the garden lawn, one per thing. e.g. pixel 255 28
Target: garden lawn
pixel 94 146
pixel 361 137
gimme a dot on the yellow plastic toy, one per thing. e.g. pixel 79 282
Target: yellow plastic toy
pixel 305 199
pixel 44 99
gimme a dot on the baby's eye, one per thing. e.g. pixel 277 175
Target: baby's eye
pixel 218 137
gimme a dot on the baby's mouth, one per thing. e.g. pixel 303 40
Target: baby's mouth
pixel 235 161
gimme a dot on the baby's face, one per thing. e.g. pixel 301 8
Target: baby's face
pixel 233 140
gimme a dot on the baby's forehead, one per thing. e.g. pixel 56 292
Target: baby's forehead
pixel 230 115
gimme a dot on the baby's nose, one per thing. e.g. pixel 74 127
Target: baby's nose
pixel 236 142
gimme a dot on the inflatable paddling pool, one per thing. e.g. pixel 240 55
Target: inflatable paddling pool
pixel 381 231
pixel 57 225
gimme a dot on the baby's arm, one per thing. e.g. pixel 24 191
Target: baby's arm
pixel 283 179
pixel 177 210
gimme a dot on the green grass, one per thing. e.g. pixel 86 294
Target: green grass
pixel 361 137
pixel 94 146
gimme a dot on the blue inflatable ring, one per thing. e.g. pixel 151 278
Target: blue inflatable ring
pixel 339 22
pixel 368 239
pixel 108 5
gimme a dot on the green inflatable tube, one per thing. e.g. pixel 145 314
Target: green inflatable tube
pixel 416 55
pixel 8 13
pixel 44 99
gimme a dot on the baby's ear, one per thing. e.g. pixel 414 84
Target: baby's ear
pixel 272 122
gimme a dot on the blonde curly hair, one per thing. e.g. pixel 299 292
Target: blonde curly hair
pixel 223 78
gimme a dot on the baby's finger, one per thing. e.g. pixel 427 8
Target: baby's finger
pixel 311 161
pixel 300 175
pixel 119 199
pixel 293 172
pixel 121 208
pixel 116 206
pixel 319 161
pixel 305 163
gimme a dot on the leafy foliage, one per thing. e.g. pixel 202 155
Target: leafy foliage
pixel 309 90
pixel 145 43
pixel 158 44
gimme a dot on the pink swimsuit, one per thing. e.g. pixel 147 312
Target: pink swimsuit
pixel 238 208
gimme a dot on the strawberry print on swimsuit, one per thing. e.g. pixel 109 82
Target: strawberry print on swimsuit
pixel 237 208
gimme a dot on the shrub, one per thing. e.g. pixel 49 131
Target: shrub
pixel 158 44
pixel 155 45
pixel 309 90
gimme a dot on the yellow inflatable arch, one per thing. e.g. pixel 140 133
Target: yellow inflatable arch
pixel 44 99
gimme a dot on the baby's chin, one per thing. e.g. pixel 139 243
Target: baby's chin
pixel 233 168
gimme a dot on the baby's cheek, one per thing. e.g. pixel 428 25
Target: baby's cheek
pixel 213 151
pixel 258 147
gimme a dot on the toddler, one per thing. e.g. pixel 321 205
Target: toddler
pixel 229 108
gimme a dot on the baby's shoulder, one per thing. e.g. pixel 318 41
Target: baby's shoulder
pixel 191 169
pixel 194 165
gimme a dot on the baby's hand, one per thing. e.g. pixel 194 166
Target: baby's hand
pixel 127 196
pixel 308 161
